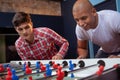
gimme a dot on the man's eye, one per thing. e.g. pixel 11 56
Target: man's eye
pixel 76 20
pixel 84 18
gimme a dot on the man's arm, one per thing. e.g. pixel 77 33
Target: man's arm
pixel 82 49
pixel 114 56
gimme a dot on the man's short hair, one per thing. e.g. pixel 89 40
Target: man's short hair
pixel 21 17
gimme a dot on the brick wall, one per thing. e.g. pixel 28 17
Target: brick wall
pixel 44 7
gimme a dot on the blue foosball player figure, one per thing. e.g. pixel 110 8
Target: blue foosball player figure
pixel 71 67
pixel 14 76
pixel 48 70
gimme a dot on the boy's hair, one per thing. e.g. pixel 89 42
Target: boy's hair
pixel 21 17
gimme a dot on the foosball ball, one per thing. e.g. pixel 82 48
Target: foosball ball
pixel 74 69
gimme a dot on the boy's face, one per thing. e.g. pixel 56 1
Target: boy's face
pixel 25 30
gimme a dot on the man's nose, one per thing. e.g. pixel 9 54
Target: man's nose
pixel 81 23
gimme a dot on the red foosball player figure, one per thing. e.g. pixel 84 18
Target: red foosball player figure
pixel 9 74
pixel 101 69
pixel 42 67
pixel 55 66
pixel 1 68
pixel 28 70
pixel 30 78
pixel 60 73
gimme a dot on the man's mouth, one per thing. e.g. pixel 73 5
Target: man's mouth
pixel 86 27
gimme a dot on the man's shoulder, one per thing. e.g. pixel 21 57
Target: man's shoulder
pixel 107 12
pixel 109 15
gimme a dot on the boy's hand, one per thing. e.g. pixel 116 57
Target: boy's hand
pixel 57 56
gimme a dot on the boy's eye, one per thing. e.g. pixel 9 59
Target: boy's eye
pixel 27 27
pixel 20 29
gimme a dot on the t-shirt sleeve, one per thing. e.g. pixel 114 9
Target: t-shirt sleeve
pixel 80 33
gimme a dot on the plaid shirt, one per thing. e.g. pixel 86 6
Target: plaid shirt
pixel 43 46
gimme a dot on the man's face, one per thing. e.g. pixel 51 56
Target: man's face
pixel 25 30
pixel 85 18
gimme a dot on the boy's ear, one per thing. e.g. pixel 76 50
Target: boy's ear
pixel 31 23
pixel 15 28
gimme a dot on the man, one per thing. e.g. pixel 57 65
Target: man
pixel 37 43
pixel 102 28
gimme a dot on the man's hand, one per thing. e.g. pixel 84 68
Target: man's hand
pixel 114 56
pixel 57 57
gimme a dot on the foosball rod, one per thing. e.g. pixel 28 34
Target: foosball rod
pixel 100 62
pixel 64 65
pixel 15 66
pixel 19 70
pixel 95 75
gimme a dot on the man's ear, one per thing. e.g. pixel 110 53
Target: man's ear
pixel 93 11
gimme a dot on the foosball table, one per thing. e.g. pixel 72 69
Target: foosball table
pixel 66 69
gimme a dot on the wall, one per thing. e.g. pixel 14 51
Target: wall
pixel 2 48
pixel 69 27
pixel 44 7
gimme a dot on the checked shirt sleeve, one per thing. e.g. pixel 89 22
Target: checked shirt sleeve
pixel 60 41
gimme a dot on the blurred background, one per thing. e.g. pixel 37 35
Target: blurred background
pixel 55 14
